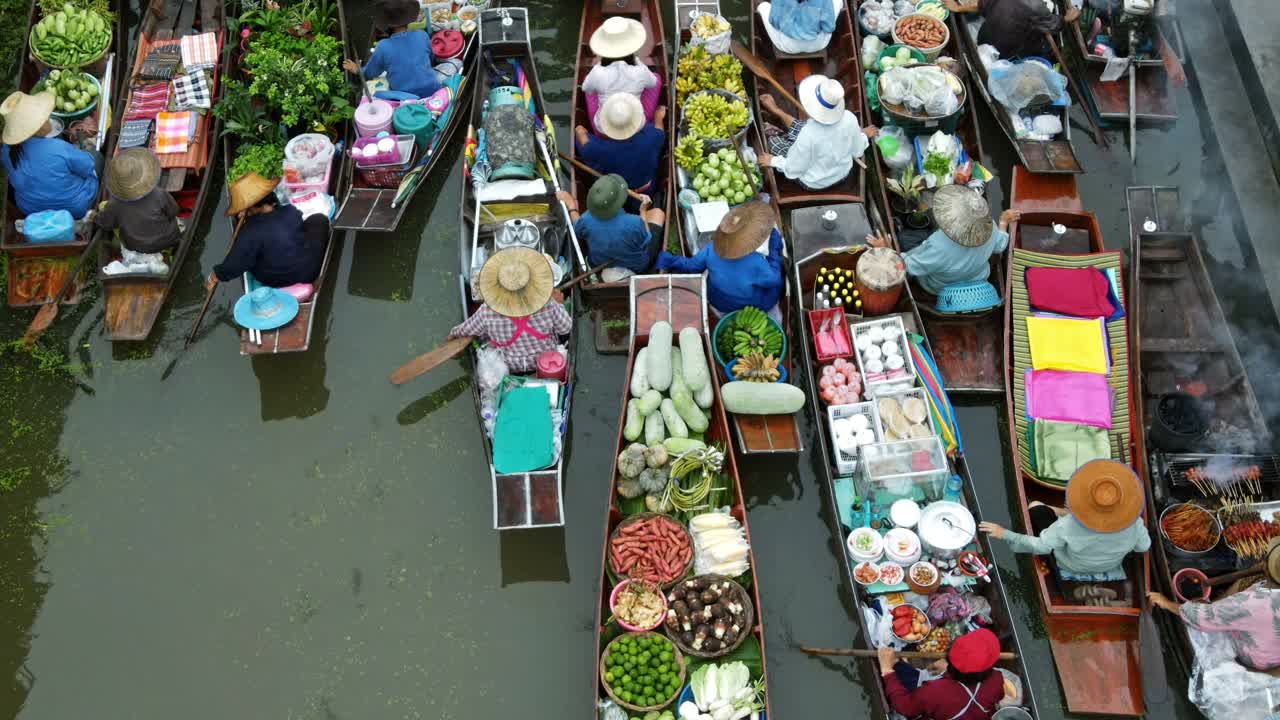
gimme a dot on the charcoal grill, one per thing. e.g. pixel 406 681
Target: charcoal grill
pixel 1174 468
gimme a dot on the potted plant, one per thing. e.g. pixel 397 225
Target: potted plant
pixel 908 188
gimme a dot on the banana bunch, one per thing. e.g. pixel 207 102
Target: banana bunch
pixel 756 367
pixel 752 332
pixel 714 117
pixel 689 152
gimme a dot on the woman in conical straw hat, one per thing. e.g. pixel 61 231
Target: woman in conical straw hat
pixel 818 152
pixel 45 173
pixel 617 41
pixel 522 314
pixel 145 215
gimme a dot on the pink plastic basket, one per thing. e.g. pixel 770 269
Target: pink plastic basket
pixel 319 185
pixel 613 600
pixel 393 157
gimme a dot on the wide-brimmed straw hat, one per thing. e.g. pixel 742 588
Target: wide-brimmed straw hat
pixel 822 98
pixel 1105 495
pixel 621 116
pixel 24 115
pixel 133 173
pixel 607 196
pixel 516 282
pixel 249 190
pixel 266 308
pixel 398 13
pixel 744 229
pixel 618 37
pixel 963 215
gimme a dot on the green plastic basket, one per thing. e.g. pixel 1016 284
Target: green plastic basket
pixel 725 323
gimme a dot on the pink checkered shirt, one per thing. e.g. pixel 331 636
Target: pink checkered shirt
pixel 552 321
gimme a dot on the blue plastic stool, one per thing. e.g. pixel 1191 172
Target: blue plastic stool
pixel 970 297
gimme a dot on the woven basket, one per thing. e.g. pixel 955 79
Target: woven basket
pixel 749 621
pixel 615 574
pixel 675 651
pixel 385 176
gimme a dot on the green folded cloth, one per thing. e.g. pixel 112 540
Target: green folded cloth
pixel 523 438
pixel 1061 447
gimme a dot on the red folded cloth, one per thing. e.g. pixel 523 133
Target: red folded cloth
pixel 1080 292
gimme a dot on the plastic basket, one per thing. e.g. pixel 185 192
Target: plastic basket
pixel 892 50
pixel 725 323
pixel 838 326
pixel 319 185
pixel 385 176
pixel 711 145
pixel 970 297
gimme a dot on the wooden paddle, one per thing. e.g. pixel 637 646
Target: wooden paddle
pixel 1237 575
pixel 209 295
pixel 757 68
pixel 1098 137
pixel 49 311
pixel 595 173
pixel 429 360
pixel 905 655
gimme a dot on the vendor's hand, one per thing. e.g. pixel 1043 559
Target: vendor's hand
pixel 581 134
pixel 646 202
pixel 1160 601
pixel 557 296
pixel 939 666
pixel 878 240
pixel 660 116
pixel 764 160
pixel 870 131
pixel 991 529
pixel 211 282
pixel 1009 216
pixel 350 65
pixel 887 658
pixel 565 197
pixel 1071 14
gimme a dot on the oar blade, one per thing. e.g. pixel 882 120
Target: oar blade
pixel 44 317
pixel 428 360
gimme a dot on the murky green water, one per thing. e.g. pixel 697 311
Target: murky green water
pixel 200 535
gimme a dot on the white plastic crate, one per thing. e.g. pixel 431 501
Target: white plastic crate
pixel 846 463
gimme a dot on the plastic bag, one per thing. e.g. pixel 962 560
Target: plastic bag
pixel 310 154
pixel 941 103
pixel 1223 688
pixel 902 8
pixel 1049 125
pixel 904 155
pixel 871 47
pixel 715 44
pixel 894 86
pixel 988 54
pixel 49 226
pixel 1020 85
pixel 877 18
pixel 490 368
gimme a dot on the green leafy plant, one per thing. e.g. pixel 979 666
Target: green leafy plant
pixel 264 159
pixel 240 115
pixel 909 188
pixel 320 15
pixel 301 81
pixel 264 19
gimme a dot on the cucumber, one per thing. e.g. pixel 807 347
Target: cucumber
pixel 676 371
pixel 752 398
pixel 694 418
pixel 640 374
pixel 678 388
pixel 635 421
pixel 680 446
pixel 706 397
pixel 659 358
pixel 653 428
pixel 649 402
pixel 675 425
pixel 693 360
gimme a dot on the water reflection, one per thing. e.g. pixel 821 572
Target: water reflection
pixel 534 556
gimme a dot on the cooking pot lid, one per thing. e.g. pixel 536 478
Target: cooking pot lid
pixel 946 525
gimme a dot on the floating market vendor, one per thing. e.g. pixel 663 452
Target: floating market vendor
pixel 819 152
pixel 1016 28
pixel 737 275
pixel 960 250
pixel 628 146
pixel 618 40
pixel 969 689
pixel 145 215
pixel 405 56
pixel 45 173
pixel 800 26
pixel 1250 619
pixel 632 241
pixel 522 315
pixel 1089 540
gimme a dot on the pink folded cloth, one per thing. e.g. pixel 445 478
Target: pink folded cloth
pixel 301 291
pixel 1077 397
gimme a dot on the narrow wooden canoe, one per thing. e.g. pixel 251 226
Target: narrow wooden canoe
pixel 296 335
pixel 840 61
pixel 365 208
pixel 37 270
pixel 1184 344
pixel 1048 157
pixel 814 249
pixel 681 301
pixel 133 301
pixel 1095 648
pixel 530 499
pixel 609 301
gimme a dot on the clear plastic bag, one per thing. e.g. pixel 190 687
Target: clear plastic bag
pixel 904 155
pixel 310 154
pixel 1224 689
pixel 716 44
pixel 1049 125
pixel 871 47
pixel 941 103
pixel 894 86
pixel 1020 85
pixel 877 17
pixel 902 8
pixel 490 368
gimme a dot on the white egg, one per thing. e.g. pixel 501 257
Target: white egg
pixel 386 145
pixel 370 150
pixel 890 348
pixel 894 362
pixel 848 445
pixel 875 366
pixel 863 341
pixel 859 422
pixel 876 333
pixel 872 353
pixel 865 436
pixel 891 332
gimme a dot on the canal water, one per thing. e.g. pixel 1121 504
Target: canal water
pixel 201 535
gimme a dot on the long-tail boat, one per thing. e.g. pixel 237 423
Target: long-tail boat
pixel 1039 156
pixel 1095 648
pixel 838 60
pixel 680 300
pixel 366 208
pixel 526 499
pixel 36 271
pixel 838 244
pixel 1184 345
pixel 608 300
pixel 295 336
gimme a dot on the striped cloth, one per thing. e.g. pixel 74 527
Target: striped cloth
pixel 1118 342
pixel 199 52
pixel 173 132
pixel 134 133
pixel 147 101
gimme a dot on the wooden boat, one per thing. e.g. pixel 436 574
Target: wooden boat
pixel 966 344
pixel 36 271
pixel 1048 157
pixel 1184 344
pixel 608 301
pixel 529 499
pixel 296 335
pixel 839 60
pixel 839 246
pixel 681 301
pixel 1095 648
pixel 366 208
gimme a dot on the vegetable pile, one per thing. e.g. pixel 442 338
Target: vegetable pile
pixel 699 70
pixel 719 545
pixel 74 91
pixel 70 37
pixel 722 176
pixel 933 10
pixel 723 692
pixel 707 614
pixel 654 548
pixel 899 58
pixel 642 670
pixel 683 376
pixel 921 31
pixel 909 623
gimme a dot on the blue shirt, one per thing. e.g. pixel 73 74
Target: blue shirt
pixel 753 279
pixel 802 19
pixel 406 59
pixel 623 237
pixel 275 249
pixel 51 174
pixel 635 159
pixel 939 262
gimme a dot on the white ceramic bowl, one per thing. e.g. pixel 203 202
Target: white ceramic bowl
pixel 902 546
pixel 876 550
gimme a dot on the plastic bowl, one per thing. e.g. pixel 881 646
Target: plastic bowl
pixel 892 50
pixel 877 545
pixel 945 12
pixel 891 573
pixel 613 601
pixel 1187 574
pixel 71 117
pixel 724 324
pixel 865 565
pixel 931 52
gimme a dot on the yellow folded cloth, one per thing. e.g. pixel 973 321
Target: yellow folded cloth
pixel 1068 344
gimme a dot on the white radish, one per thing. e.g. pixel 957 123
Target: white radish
pixel 688 711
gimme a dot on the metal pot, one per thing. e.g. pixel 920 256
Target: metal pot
pixel 946 529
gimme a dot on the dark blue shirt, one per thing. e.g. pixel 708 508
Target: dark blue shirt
pixel 275 248
pixel 50 174
pixel 623 237
pixel 635 159
pixel 753 279
pixel 406 59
